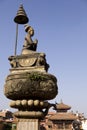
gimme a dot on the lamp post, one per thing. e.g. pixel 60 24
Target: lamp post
pixel 21 18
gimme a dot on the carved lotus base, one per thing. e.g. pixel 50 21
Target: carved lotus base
pixel 29 104
pixel 30 85
pixel 29 114
pixel 30 108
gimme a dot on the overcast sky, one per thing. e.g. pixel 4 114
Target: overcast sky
pixel 61 29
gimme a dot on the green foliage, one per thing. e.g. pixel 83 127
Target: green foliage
pixel 36 76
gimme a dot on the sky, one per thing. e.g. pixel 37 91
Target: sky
pixel 61 29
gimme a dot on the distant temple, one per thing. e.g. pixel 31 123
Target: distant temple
pixel 61 119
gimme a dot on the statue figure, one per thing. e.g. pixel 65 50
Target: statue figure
pixel 29 44
pixel 42 61
pixel 13 62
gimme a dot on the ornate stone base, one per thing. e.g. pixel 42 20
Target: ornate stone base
pixel 31 85
pixel 28 124
pixel 29 114
pixel 31 109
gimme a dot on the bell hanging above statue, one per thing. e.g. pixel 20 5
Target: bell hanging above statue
pixel 21 17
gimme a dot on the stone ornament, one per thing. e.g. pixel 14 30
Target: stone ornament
pixel 29 85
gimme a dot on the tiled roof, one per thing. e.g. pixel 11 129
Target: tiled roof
pixel 62 106
pixel 63 116
pixel 5 114
pixel 2 114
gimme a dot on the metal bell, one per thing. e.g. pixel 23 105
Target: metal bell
pixel 21 17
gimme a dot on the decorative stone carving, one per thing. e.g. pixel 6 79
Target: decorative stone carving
pixel 33 85
pixel 31 60
pixel 29 85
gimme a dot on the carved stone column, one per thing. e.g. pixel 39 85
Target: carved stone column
pixel 29 85
pixel 28 124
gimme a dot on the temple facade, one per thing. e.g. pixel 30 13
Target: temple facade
pixel 61 119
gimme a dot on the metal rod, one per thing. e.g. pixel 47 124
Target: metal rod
pixel 16 40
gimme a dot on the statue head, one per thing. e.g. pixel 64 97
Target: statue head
pixel 29 30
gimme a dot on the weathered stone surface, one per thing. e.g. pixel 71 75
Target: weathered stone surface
pixel 29 114
pixel 33 85
pixel 28 124
pixel 31 60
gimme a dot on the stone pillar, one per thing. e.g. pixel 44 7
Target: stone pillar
pixel 29 85
pixel 28 124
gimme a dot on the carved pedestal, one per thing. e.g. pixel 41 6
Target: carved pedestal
pixel 29 86
pixel 28 124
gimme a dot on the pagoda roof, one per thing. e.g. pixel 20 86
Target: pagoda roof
pixel 63 116
pixel 62 106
